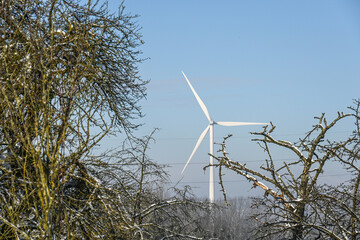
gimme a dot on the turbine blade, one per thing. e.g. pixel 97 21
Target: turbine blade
pixel 202 105
pixel 239 123
pixel 201 138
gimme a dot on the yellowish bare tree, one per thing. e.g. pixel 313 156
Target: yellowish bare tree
pixel 68 77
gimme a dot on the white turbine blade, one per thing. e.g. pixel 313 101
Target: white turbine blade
pixel 201 138
pixel 202 105
pixel 239 123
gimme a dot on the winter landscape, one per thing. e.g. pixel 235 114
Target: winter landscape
pixel 179 119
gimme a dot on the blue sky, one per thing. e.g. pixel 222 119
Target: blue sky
pixel 279 61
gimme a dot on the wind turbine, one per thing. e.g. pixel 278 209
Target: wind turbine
pixel 203 134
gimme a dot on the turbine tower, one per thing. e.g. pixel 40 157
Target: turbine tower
pixel 203 134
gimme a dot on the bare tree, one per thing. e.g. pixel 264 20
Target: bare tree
pixel 68 77
pixel 130 199
pixel 151 210
pixel 295 204
pixel 339 206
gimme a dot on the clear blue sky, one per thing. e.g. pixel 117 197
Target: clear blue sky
pixel 279 61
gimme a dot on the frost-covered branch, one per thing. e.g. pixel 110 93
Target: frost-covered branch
pixel 300 207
